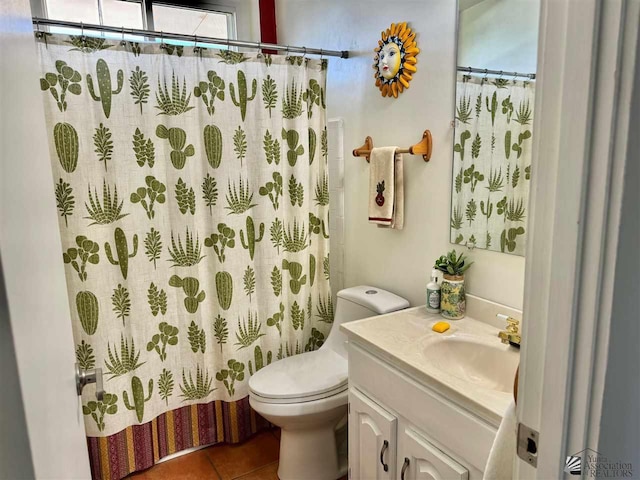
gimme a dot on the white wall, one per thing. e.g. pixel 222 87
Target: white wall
pixel 400 261
pixel 500 35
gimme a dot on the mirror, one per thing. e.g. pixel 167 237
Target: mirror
pixel 495 96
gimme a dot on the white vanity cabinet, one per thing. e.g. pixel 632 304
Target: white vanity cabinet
pixel 415 432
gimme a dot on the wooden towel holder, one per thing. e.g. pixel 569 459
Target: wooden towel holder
pixel 423 147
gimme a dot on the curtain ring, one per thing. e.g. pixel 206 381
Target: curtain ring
pixel 162 45
pixel 82 39
pixel 321 53
pixel 260 49
pixel 123 42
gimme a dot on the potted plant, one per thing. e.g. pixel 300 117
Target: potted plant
pixel 453 300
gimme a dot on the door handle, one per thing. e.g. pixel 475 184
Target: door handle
pixel 404 468
pixel 385 447
pixel 84 377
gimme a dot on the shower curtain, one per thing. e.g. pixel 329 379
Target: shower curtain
pixel 193 199
pixel 492 163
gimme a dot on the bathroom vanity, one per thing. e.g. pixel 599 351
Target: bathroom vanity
pixel 425 405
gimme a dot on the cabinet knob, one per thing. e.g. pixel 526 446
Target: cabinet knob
pixel 405 465
pixel 385 447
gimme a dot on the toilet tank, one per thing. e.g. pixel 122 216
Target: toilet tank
pixel 360 302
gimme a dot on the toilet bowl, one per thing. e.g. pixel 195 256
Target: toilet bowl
pixel 306 395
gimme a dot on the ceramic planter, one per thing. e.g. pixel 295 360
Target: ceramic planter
pixel 453 303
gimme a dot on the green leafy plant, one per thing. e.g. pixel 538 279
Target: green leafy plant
pixel 273 190
pixel 452 263
pixel 248 330
pixel 471 211
pixel 456 219
pixel 98 409
pixel 135 48
pixel 177 140
pixel 84 356
pixel 313 138
pixel 475 146
pixel 221 240
pixel 494 106
pixel 230 57
pixel 324 143
pixel 515 211
pixel 501 207
pixel 316 340
pixel 122 249
pixel 295 272
pixel 322 190
pixel 168 336
pixel 463 110
pixel 326 267
pixel 507 108
pixel 517 147
pixel 210 90
pixel 126 362
pixel 88 311
pixel 187 255
pixel 527 174
pixel 276 281
pixel 190 287
pixel 326 312
pixel 239 199
pixel 197 338
pixel 271 148
pixel 276 230
pixel 66 79
pixel 292 137
pixel 153 245
pixel 138 397
pixel 296 191
pixel 170 48
pixel 212 145
pixel 317 226
pixel 186 198
pixel 220 331
pixel 65 138
pixel 154 192
pixel 488 211
pixel 103 76
pixel 243 98
pixel 258 358
pixel 228 376
pixel 495 181
pixel 209 192
pixel 104 145
pixel 121 302
pixel 472 176
pixel 249 280
pixel 314 95
pixel 175 102
pixel 224 289
pixel 85 252
pixel 515 177
pixel 458 181
pixel 508 238
pixel 65 201
pixel 297 316
pixel 296 241
pixel 157 300
pixel 268 59
pixel 165 385
pixel 86 44
pixel 143 149
pixel 269 93
pixel 292 101
pixel 240 144
pixel 109 210
pixel 139 83
pixel 524 114
pixel 478 108
pixel 199 389
pixel 459 147
pixel 276 319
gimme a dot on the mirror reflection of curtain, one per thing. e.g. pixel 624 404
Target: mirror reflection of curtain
pixel 492 163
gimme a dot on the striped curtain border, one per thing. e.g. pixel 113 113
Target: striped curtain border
pixel 141 446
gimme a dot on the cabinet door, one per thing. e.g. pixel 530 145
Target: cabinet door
pixel 372 439
pixel 419 460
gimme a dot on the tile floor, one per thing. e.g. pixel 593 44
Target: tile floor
pixel 255 459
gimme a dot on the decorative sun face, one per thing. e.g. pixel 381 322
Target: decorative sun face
pixel 395 59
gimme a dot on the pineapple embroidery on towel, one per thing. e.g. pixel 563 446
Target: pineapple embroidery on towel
pixel 380 196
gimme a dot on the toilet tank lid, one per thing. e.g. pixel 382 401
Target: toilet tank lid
pixel 375 299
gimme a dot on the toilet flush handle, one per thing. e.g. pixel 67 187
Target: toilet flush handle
pixel 385 447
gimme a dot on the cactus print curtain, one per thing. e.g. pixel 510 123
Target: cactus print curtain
pixel 193 199
pixel 492 163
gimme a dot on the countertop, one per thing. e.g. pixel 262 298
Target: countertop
pixel 400 337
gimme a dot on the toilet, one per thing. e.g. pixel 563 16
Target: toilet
pixel 306 395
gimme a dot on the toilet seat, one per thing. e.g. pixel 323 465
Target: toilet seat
pixel 302 378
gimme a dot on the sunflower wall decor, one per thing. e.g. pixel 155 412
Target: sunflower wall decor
pixel 395 59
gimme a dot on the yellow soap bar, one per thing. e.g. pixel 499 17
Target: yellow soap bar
pixel 440 327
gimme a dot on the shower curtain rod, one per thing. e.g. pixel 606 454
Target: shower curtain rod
pixel 486 71
pixel 195 38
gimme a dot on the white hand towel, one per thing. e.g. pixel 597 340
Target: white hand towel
pixel 386 188
pixel 500 461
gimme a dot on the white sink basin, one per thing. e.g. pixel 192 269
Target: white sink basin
pixel 488 364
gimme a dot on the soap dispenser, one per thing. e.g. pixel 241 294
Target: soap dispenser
pixel 433 293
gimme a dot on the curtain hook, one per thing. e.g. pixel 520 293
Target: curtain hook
pixel 321 53
pixel 82 39
pixel 162 45
pixel 228 42
pixel 260 49
pixel 304 55
pixel 123 42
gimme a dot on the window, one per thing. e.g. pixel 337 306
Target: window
pixel 203 18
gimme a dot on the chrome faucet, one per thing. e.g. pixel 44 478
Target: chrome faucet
pixel 512 334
